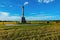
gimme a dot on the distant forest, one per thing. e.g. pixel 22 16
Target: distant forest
pixel 35 21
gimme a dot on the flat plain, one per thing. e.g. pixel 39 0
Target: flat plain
pixel 31 31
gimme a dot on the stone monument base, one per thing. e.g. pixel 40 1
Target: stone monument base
pixel 23 21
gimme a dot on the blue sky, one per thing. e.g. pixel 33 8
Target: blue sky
pixel 34 9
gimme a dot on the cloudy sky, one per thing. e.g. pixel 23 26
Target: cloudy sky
pixel 34 9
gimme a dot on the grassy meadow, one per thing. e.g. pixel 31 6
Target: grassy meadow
pixel 33 30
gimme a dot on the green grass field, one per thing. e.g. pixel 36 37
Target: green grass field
pixel 40 31
pixel 23 26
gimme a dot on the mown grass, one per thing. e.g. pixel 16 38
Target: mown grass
pixel 24 26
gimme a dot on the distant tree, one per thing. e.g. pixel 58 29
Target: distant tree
pixel 47 22
pixel 57 21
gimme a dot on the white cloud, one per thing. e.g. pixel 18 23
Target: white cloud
pixel 10 5
pixel 6 16
pixel 6 6
pixel 26 3
pixel 13 18
pixel 33 13
pixel 40 17
pixel 40 1
pixel 2 5
pixel 45 1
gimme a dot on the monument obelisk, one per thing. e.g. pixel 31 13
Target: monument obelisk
pixel 23 21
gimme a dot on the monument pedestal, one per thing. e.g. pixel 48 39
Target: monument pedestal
pixel 23 21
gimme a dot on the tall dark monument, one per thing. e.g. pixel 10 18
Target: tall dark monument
pixel 23 21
